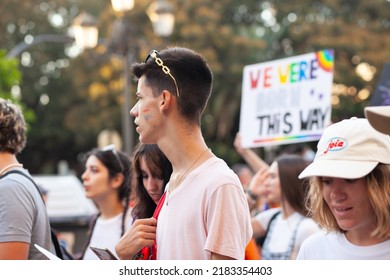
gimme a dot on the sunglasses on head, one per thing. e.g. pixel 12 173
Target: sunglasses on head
pixel 154 54
pixel 111 148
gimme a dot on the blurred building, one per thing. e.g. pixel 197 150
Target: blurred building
pixel 68 208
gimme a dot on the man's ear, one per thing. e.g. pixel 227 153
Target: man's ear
pixel 166 100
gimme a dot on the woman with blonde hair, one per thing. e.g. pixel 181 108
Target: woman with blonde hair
pixel 350 193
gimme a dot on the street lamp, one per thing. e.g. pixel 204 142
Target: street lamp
pixel 122 5
pixel 160 13
pixel 85 31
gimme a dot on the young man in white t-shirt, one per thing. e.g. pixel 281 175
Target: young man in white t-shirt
pixel 205 214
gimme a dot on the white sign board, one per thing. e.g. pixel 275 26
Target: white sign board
pixel 287 100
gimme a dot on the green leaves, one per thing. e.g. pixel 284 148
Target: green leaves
pixel 9 75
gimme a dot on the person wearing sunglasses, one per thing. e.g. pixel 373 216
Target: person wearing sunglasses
pixel 205 214
pixel 107 181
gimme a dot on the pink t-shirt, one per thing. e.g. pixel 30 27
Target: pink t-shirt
pixel 208 212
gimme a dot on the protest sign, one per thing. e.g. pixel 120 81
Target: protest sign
pixel 287 100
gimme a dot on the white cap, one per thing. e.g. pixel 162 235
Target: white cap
pixel 379 117
pixel 349 149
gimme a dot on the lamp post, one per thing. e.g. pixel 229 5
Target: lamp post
pixel 161 15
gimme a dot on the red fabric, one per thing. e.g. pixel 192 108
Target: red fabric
pixel 155 215
pixel 148 253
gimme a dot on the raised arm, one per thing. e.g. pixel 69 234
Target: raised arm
pixel 251 158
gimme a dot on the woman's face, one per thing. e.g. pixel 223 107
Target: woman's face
pixel 152 184
pixel 272 185
pixel 348 200
pixel 96 180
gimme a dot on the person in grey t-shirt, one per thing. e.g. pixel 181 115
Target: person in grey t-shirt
pixel 23 217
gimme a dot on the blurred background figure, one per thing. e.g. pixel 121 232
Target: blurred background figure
pixel 244 173
pixel 256 192
pixel 258 169
pixel 287 226
pixel 254 161
pixel 107 181
pixel 379 118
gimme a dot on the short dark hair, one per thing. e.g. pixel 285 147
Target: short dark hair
pixel 192 74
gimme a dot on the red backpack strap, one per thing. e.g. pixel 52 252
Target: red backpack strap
pixel 155 215
pixel 150 253
pixel 159 206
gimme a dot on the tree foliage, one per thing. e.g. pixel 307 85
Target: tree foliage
pixel 74 98
pixel 9 75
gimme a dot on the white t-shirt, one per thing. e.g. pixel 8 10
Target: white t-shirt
pixel 282 231
pixel 335 246
pixel 106 234
pixel 208 212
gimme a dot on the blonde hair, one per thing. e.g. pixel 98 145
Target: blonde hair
pixel 378 184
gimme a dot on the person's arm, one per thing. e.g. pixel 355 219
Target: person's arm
pixel 250 157
pixel 258 230
pixel 17 215
pixel 14 250
pixel 141 234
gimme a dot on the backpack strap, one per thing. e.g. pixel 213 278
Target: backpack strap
pixel 270 221
pixel 260 241
pixel 150 253
pixel 155 215
pixel 159 206
pixel 53 235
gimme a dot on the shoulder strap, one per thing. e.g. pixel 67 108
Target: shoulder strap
pixel 25 175
pixel 53 235
pixel 150 253
pixel 159 206
pixel 260 241
pixel 270 221
pixel 155 215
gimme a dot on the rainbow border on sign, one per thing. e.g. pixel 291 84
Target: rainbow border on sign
pixel 278 139
pixel 325 60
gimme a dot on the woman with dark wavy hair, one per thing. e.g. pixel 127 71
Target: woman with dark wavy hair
pixel 152 171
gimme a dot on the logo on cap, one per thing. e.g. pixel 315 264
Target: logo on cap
pixel 336 144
